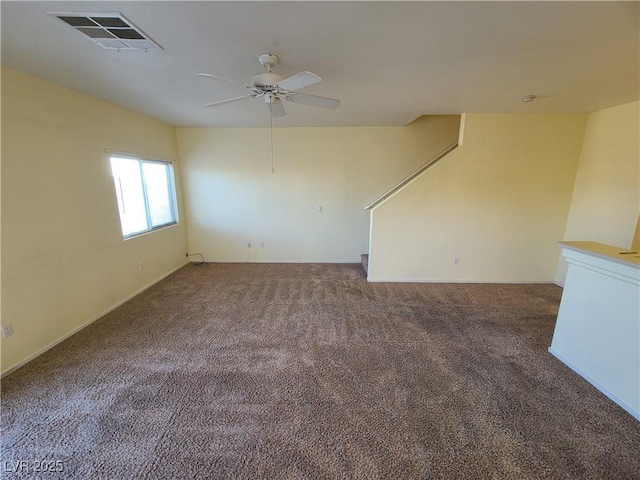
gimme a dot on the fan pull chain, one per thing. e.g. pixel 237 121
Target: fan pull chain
pixel 273 170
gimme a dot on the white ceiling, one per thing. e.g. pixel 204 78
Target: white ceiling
pixel 389 62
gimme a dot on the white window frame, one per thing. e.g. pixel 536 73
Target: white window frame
pixel 171 191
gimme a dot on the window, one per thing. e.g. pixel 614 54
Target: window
pixel 146 194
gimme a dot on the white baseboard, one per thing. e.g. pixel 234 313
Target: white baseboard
pixel 413 280
pixel 283 262
pixel 87 323
pixel 634 413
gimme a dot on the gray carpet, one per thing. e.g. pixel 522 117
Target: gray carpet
pixel 307 371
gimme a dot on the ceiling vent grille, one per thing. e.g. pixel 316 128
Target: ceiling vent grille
pixel 109 30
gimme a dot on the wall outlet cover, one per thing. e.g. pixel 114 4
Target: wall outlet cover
pixel 7 330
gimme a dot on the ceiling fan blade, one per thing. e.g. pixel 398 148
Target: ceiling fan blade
pixel 299 80
pixel 315 101
pixel 208 75
pixel 229 100
pixel 277 108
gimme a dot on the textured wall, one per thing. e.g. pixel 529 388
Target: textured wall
pixel 64 261
pixel 232 197
pixel 606 196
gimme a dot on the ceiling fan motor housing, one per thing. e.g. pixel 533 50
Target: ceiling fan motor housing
pixel 265 79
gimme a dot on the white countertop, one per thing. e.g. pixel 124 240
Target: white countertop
pixel 608 252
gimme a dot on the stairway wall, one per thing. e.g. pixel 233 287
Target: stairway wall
pixel 498 204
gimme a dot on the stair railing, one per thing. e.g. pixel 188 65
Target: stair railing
pixel 414 175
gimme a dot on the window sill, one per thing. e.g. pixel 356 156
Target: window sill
pixel 149 232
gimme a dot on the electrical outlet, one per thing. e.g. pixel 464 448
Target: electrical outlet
pixel 261 244
pixel 248 244
pixel 7 330
pixel 456 260
pixel 319 208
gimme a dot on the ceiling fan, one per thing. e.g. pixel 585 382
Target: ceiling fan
pixel 275 88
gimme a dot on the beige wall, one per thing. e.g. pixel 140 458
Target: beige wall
pixel 64 261
pixel 499 203
pixel 233 198
pixel 606 196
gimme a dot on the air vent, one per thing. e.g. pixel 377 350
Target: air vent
pixel 109 30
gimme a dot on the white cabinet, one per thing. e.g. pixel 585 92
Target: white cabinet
pixel 597 333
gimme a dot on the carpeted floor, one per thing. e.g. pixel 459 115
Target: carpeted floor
pixel 285 371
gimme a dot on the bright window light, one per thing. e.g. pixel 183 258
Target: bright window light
pixel 145 192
